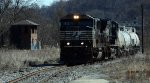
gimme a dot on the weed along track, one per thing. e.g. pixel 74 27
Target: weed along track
pixel 40 75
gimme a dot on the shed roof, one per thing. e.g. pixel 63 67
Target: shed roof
pixel 26 22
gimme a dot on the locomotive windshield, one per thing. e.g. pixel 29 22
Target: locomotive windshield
pixel 76 25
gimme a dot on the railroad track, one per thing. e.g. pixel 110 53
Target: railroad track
pixel 51 75
pixel 53 71
pixel 38 72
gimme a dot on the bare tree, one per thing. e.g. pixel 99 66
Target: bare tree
pixel 50 35
pixel 17 7
pixel 4 5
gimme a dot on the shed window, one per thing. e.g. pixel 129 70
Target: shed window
pixel 35 30
pixel 32 30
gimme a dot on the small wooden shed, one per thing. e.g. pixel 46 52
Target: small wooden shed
pixel 23 35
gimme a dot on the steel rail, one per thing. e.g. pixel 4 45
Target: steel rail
pixel 59 70
pixel 37 72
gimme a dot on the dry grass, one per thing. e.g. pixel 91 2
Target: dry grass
pixel 23 58
pixel 136 69
pixel 139 70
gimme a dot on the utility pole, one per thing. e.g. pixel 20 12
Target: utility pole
pixel 142 12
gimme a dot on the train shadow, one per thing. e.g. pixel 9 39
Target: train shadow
pixel 51 63
pixel 44 65
pixel 59 63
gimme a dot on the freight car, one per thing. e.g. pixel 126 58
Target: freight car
pixel 84 38
pixel 128 40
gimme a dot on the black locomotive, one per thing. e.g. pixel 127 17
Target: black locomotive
pixel 84 38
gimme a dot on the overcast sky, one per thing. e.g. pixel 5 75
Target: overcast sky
pixel 45 2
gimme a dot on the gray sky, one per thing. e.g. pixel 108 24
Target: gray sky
pixel 45 2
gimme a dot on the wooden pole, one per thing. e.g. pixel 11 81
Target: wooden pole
pixel 142 12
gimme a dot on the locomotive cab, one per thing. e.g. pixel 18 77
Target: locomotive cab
pixel 108 28
pixel 77 38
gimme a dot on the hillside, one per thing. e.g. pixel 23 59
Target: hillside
pixel 121 10
pixel 48 16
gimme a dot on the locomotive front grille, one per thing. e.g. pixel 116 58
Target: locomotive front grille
pixel 75 35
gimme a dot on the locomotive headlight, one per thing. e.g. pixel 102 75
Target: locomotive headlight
pixel 68 43
pixel 82 43
pixel 76 17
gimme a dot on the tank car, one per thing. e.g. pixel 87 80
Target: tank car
pixel 135 42
pixel 134 37
pixel 124 38
pixel 127 41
